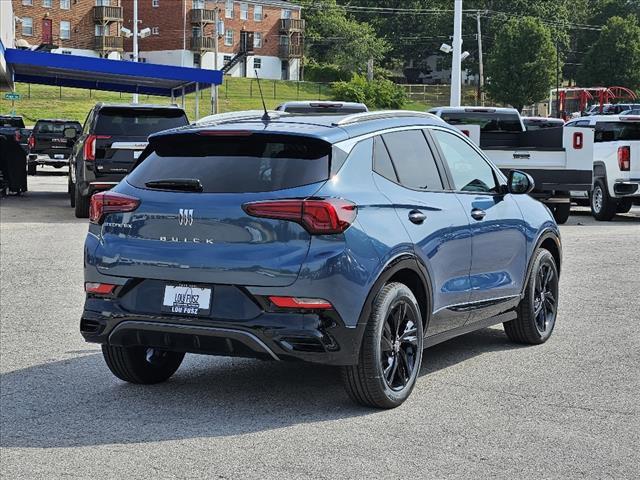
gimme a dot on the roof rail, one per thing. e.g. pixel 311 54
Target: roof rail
pixel 381 114
pixel 236 116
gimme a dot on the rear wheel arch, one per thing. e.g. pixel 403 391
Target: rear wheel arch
pixel 404 269
pixel 599 170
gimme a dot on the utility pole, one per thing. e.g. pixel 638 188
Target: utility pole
pixel 214 88
pixel 480 65
pixel 456 67
pixel 135 40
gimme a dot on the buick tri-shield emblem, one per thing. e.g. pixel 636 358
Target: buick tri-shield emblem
pixel 185 216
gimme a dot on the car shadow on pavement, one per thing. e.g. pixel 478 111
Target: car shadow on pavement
pixel 77 402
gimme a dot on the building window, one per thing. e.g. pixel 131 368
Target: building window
pixel 286 13
pixel 228 38
pixel 65 30
pixel 27 2
pixel 257 40
pixel 155 30
pixel 257 63
pixel 47 3
pixel 284 40
pixel 244 11
pixel 100 30
pixel 226 58
pixel 196 32
pixel 197 59
pixel 65 4
pixel 155 3
pixel 103 3
pixel 197 4
pixel 257 13
pixel 228 9
pixel 27 26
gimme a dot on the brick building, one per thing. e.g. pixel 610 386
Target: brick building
pixel 74 27
pixel 262 35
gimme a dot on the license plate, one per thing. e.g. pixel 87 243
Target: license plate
pixel 58 156
pixel 186 300
pixel 137 154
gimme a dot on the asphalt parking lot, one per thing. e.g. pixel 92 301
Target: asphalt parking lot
pixel 483 407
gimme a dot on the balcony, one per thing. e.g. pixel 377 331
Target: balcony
pixel 109 43
pixel 289 25
pixel 290 51
pixel 107 14
pixel 200 15
pixel 202 43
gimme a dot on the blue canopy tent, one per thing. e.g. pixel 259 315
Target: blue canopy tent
pixel 112 75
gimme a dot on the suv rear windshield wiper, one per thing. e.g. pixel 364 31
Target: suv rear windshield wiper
pixel 181 184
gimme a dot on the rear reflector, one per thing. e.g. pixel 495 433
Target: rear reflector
pixel 624 158
pixel 301 303
pixel 99 288
pixel 318 217
pixel 105 203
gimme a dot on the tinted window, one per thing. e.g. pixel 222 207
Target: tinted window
pixel 488 121
pixel 16 122
pixel 470 172
pixel 138 122
pixel 413 160
pixel 536 124
pixel 615 131
pixel 382 161
pixel 256 163
pixel 55 127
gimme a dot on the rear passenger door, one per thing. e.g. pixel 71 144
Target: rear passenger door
pixel 499 233
pixel 406 171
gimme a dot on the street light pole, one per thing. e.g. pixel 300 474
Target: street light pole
pixel 456 67
pixel 135 40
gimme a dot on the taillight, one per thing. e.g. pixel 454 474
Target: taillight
pixel 32 142
pixel 624 158
pixel 90 146
pixel 301 303
pixel 318 217
pixel 99 288
pixel 104 203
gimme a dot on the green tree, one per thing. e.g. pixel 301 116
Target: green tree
pixel 334 37
pixel 522 65
pixel 614 60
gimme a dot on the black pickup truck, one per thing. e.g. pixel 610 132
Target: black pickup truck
pixel 48 144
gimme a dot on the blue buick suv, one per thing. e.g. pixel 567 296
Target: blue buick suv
pixel 354 240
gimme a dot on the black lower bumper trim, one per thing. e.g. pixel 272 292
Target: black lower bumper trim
pixel 187 337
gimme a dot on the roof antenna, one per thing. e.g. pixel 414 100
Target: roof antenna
pixel 265 117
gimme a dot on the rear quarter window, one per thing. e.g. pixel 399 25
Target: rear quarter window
pixel 236 164
pixel 617 131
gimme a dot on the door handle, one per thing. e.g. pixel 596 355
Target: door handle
pixel 478 214
pixel 417 217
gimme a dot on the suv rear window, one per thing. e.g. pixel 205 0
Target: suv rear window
pixel 15 122
pixel 235 164
pixel 615 131
pixel 138 122
pixel 489 121
pixel 55 127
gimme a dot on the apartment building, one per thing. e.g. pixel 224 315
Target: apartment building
pixel 73 27
pixel 259 35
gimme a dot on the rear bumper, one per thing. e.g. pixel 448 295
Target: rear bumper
pixel 556 184
pixel 46 159
pixel 627 188
pixel 311 337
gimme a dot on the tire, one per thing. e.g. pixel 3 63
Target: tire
pixel 31 169
pixel 81 204
pixel 388 366
pixel 141 365
pixel 603 207
pixel 624 205
pixel 561 213
pixel 71 190
pixel 537 311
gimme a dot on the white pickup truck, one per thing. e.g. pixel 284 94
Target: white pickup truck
pixel 559 159
pixel 616 163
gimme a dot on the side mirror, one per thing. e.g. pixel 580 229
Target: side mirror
pixel 520 183
pixel 70 133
